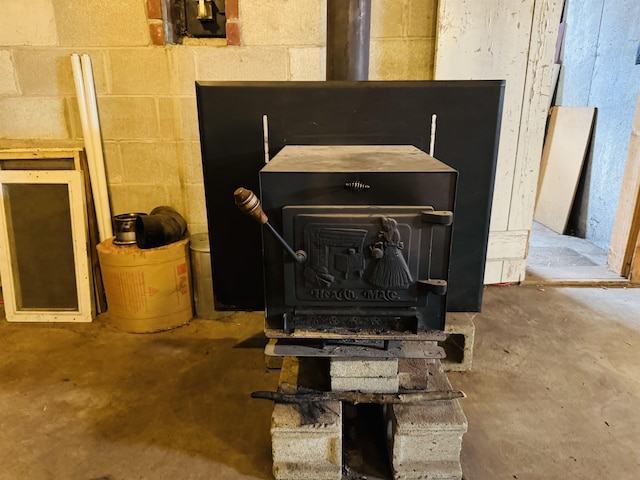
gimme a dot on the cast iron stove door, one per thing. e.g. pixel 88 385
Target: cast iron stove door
pixel 368 267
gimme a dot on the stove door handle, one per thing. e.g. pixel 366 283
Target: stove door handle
pixel 248 203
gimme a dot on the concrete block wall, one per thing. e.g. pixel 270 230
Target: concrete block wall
pixel 145 88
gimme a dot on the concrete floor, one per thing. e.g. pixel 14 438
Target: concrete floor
pixel 562 258
pixel 554 394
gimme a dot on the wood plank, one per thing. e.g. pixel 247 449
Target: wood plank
pixel 626 227
pixel 489 40
pixel 562 159
pixel 635 267
pixel 535 110
pixel 493 272
pixel 509 245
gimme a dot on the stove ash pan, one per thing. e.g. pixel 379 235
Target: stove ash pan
pixel 371 227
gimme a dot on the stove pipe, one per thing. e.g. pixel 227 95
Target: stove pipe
pixel 348 32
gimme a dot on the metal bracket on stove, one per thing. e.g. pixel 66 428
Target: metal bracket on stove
pixel 437 217
pixel 437 287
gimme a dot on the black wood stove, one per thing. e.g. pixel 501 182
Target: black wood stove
pixel 356 246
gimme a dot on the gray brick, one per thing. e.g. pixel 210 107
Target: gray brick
pixel 425 440
pixel 363 367
pixel 365 384
pixel 459 344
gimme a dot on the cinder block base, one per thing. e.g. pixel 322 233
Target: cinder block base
pixel 306 439
pixel 425 440
pixel 364 375
pixel 459 343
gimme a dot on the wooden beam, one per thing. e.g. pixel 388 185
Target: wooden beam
pixel 623 249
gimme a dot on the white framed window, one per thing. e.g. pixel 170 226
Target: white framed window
pixel 44 257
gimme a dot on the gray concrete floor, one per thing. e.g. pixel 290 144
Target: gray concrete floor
pixel 562 258
pixel 554 394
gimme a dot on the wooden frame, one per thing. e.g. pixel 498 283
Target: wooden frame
pixel 74 182
pixel 63 158
pixel 624 248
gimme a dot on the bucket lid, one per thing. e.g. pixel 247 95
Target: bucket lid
pixel 200 242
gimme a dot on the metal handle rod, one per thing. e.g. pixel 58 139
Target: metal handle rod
pixel 300 256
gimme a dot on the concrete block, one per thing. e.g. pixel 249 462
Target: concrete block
pixel 137 198
pixel 196 207
pixel 187 112
pixel 307 64
pixel 242 63
pixel 113 162
pixel 28 23
pixel 363 367
pixel 101 23
pixel 191 158
pixel 129 118
pixel 33 117
pixel 49 72
pixel 459 344
pixel 388 18
pixel 425 440
pixel 365 384
pixel 269 22
pixel 182 69
pixel 306 439
pixel 139 71
pixel 421 19
pixel 152 163
pixel 169 117
pixel 8 84
pixel 401 59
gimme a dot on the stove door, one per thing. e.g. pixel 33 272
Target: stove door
pixel 375 258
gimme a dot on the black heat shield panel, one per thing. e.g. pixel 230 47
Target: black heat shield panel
pixel 345 113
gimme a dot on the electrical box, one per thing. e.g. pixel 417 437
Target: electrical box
pixel 199 18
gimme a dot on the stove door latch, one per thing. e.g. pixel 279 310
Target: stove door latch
pixel 437 217
pixel 248 202
pixel 435 286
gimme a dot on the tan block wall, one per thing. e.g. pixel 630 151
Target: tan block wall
pixel 402 39
pixel 146 93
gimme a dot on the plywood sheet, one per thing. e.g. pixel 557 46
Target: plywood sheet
pixel 562 159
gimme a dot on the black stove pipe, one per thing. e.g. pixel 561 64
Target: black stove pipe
pixel 348 38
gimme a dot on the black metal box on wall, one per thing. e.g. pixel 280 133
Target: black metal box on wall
pixel 375 225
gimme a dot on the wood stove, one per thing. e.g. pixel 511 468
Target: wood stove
pixel 365 243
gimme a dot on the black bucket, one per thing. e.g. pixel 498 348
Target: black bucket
pixel 161 227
